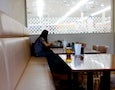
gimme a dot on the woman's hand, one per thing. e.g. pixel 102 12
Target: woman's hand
pixel 47 44
pixel 51 44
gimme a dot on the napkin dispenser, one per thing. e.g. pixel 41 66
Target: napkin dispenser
pixel 64 44
pixel 79 57
pixel 77 49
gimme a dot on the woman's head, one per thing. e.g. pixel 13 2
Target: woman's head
pixel 44 34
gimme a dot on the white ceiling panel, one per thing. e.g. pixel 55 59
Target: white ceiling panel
pixel 59 8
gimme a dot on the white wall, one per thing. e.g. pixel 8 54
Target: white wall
pixel 113 24
pixel 90 39
pixel 14 8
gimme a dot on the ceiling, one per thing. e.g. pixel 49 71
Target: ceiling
pixel 67 8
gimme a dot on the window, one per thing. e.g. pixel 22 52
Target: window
pixel 69 16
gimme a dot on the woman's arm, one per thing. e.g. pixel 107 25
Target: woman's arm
pixel 45 43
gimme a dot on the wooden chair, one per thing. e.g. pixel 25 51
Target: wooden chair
pixel 103 48
pixel 95 47
pixel 98 75
pixel 83 44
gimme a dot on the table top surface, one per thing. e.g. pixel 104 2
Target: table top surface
pixel 62 51
pixel 91 62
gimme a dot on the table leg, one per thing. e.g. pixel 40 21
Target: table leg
pixel 70 80
pixel 89 80
pixel 105 81
pixel 75 80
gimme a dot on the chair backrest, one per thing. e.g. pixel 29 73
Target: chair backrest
pixel 103 48
pixel 95 47
pixel 83 44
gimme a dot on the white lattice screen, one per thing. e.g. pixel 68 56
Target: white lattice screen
pixel 70 25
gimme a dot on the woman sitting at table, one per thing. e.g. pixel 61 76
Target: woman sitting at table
pixel 42 49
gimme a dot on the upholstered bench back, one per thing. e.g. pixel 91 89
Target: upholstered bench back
pixel 14 51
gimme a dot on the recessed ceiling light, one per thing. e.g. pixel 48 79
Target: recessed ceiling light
pixel 91 2
pixel 72 10
pixel 101 11
pixel 40 7
pixel 102 5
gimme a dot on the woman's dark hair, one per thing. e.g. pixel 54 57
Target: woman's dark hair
pixel 44 34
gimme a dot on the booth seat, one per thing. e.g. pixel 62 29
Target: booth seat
pixel 3 71
pixel 37 76
pixel 15 58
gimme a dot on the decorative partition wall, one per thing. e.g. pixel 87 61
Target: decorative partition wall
pixel 70 25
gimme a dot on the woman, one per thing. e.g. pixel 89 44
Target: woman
pixel 42 49
pixel 41 46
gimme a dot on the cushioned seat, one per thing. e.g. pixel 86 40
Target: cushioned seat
pixel 37 76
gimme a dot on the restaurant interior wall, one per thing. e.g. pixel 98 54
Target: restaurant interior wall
pixel 16 9
pixel 90 39
pixel 113 24
pixel 74 28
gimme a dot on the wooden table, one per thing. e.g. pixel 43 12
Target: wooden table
pixel 62 51
pixel 92 63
